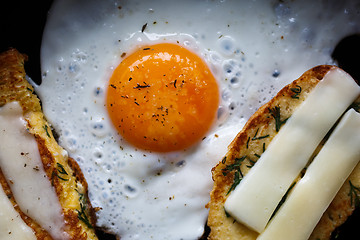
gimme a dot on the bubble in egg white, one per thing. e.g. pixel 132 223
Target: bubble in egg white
pixel 227 45
pixel 98 154
pixel 250 49
pixel 222 114
pixel 98 128
pixel 276 73
pixel 70 143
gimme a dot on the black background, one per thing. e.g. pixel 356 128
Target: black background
pixel 22 24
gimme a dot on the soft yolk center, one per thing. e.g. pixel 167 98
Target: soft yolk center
pixel 162 98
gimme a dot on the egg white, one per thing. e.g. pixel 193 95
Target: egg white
pixel 253 48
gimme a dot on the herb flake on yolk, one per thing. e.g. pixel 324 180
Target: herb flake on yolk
pixel 162 98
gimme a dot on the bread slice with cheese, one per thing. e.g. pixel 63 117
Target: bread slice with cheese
pixel 61 172
pixel 252 141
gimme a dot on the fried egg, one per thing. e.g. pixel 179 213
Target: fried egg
pixel 147 95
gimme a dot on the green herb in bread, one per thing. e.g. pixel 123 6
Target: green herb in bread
pixel 251 142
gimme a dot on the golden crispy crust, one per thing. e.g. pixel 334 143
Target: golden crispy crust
pixel 62 171
pixel 249 143
pixel 13 86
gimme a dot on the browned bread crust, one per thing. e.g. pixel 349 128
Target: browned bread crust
pixel 247 147
pixel 62 171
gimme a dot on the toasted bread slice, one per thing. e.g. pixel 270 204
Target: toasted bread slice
pixel 250 142
pixel 62 171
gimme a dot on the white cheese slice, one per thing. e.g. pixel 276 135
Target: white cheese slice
pixel 254 200
pixel 22 167
pixel 312 195
pixel 12 227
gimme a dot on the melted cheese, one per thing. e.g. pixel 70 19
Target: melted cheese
pixel 21 164
pixel 256 197
pixel 311 196
pixel 12 227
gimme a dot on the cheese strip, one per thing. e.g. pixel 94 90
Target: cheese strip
pixel 312 195
pixel 22 167
pixel 12 227
pixel 258 194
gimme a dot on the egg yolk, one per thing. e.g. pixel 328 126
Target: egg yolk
pixel 162 98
